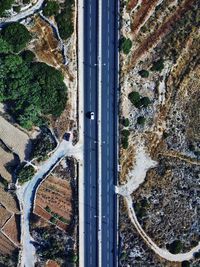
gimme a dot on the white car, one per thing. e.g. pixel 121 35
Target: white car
pixel 92 115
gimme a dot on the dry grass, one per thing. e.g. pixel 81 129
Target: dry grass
pixel 8 201
pixel 51 263
pixel 4 215
pixel 15 139
pixel 5 158
pixel 11 229
pixel 56 194
pixel 6 246
pixel 153 39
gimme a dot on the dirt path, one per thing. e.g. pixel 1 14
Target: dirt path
pixel 135 178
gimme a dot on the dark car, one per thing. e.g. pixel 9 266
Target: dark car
pixel 66 136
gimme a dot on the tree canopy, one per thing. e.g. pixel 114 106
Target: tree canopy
pixel 31 90
pixel 5 5
pixel 51 8
pixel 16 35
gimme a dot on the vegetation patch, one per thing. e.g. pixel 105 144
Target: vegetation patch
pixel 124 138
pixel 125 45
pixel 51 8
pixel 16 35
pixel 25 173
pixel 175 247
pixel 65 20
pixel 5 5
pixel 138 101
pixel 42 145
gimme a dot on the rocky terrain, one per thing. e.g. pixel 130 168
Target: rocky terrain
pixel 160 115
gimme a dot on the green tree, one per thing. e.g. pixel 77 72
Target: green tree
pixel 158 65
pixel 141 120
pixel 28 56
pixel 51 8
pixel 145 101
pixel 185 264
pixel 175 247
pixel 53 90
pixel 5 5
pixel 4 46
pixel 125 122
pixel 144 73
pixel 25 173
pixel 16 35
pixel 125 45
pixel 134 97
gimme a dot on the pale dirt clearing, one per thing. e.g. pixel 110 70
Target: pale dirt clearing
pixel 5 158
pixel 8 201
pixel 4 215
pixel 15 139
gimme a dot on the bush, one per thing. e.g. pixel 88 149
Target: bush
pixel 158 65
pixel 124 138
pixel 25 173
pixel 64 20
pixel 4 46
pixel 28 56
pixel 125 45
pixel 197 255
pixel 125 122
pixel 48 209
pixel 145 101
pixel 185 264
pixel 134 97
pixel 144 73
pixel 5 5
pixel 51 8
pixel 42 145
pixel 53 220
pixel 175 247
pixel 125 133
pixel 17 9
pixel 141 120
pixel 16 35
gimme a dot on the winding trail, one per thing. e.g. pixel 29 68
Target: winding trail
pixel 135 179
pixel 26 195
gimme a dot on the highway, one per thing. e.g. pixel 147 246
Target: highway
pixel 100 134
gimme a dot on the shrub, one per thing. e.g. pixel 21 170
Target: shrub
pixel 51 8
pixel 125 133
pixel 125 122
pixel 64 20
pixel 175 247
pixel 53 220
pixel 17 9
pixel 5 5
pixel 125 45
pixel 16 35
pixel 134 97
pixel 42 145
pixel 145 101
pixel 48 209
pixel 25 173
pixel 158 65
pixel 141 120
pixel 144 73
pixel 28 56
pixel 185 264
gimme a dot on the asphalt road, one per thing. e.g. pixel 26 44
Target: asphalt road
pixel 90 132
pixel 108 130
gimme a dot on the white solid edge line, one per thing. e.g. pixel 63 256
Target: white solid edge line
pixel 81 129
